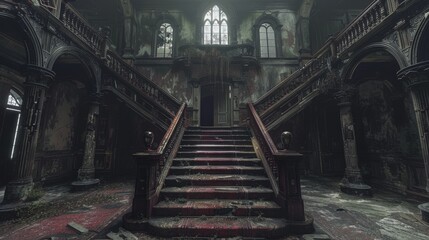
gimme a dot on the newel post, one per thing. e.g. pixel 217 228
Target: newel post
pixel 289 180
pixel 145 186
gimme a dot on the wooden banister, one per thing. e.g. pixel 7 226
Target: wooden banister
pixel 153 167
pixel 281 167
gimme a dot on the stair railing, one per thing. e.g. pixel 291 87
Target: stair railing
pixel 153 166
pixel 281 167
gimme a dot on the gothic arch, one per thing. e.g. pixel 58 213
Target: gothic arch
pixel 33 45
pixel 230 12
pixel 420 48
pixel 89 64
pixel 166 18
pixel 350 68
pixel 275 24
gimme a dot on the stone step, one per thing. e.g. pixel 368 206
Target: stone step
pixel 216 137
pixel 218 227
pixel 217 141
pixel 236 154
pixel 184 207
pixel 210 161
pixel 217 128
pixel 231 169
pixel 216 147
pixel 216 132
pixel 214 192
pixel 216 180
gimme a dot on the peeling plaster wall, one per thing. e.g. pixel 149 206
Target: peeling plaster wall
pixel 62 136
pixel 173 82
pixel 387 135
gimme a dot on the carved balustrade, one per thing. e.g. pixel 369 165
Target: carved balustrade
pixel 315 74
pixel 153 166
pixel 77 24
pixel 136 85
pixel 370 18
pixel 296 87
pixel 281 167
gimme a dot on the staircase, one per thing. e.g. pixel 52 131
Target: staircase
pixel 217 187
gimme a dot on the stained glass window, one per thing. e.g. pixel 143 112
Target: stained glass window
pixel 215 27
pixel 164 41
pixel 267 41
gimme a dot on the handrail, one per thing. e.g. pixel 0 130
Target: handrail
pixel 95 42
pixel 281 167
pixel 153 166
pixel 144 86
pixel 77 24
pixel 267 146
pixel 367 21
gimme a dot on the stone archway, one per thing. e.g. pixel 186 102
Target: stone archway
pixel 385 131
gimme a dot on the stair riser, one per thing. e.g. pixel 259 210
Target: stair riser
pixel 204 128
pixel 216 154
pixel 219 141
pixel 165 212
pixel 217 171
pixel 218 233
pixel 216 132
pixel 182 183
pixel 216 137
pixel 216 148
pixel 217 195
pixel 215 163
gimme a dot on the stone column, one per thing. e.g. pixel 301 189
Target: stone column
pixel 416 78
pixel 128 38
pixel 86 174
pixel 352 182
pixel 36 83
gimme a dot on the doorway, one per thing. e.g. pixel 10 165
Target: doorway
pixel 8 134
pixel 215 105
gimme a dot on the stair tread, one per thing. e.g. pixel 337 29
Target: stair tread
pixel 216 152
pixel 203 177
pixel 216 159
pixel 212 167
pixel 221 226
pixel 233 189
pixel 215 203
pixel 215 145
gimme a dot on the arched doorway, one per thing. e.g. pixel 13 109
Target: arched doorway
pixel 9 133
pixel 385 125
pixel 215 104
pixel 61 140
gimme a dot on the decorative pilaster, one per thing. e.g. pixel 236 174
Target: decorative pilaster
pixel 86 174
pixel 37 82
pixel 352 182
pixel 416 78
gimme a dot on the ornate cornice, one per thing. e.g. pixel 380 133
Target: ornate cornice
pixel 415 75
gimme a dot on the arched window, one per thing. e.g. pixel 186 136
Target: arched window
pixel 267 37
pixel 267 41
pixel 164 41
pixel 14 102
pixel 215 27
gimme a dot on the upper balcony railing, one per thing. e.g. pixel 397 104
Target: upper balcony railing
pixel 77 24
pixel 370 18
pixel 131 84
pixel 367 24
pixel 143 86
